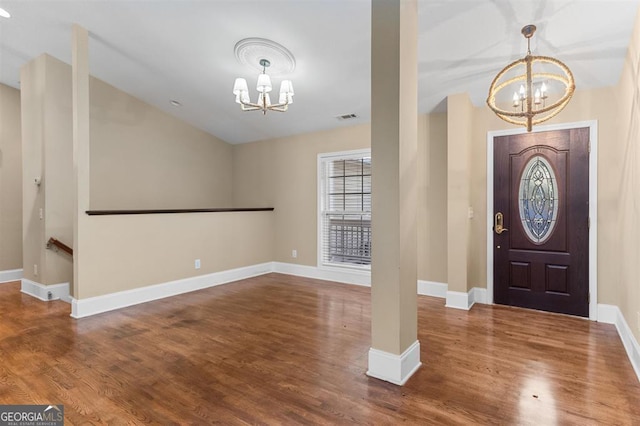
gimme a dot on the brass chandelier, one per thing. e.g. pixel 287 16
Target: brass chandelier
pixel 543 79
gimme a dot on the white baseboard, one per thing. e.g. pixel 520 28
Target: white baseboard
pixel 46 292
pixel 607 314
pixel 611 314
pixel 81 308
pixel 458 300
pixel 478 295
pixel 396 369
pixel 433 289
pixel 461 300
pixel 108 302
pixel 10 275
pixel 346 276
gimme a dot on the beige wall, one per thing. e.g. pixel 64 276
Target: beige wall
pixel 47 154
pixel 282 173
pixel 432 198
pixel 624 253
pixel 127 252
pixel 10 180
pixel 143 158
pixel 57 179
pixel 33 85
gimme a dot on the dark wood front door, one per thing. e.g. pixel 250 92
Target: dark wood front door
pixel 541 200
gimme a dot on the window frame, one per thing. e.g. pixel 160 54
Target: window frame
pixel 321 199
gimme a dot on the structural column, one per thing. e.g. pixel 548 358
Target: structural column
pixel 459 130
pixel 81 144
pixel 395 351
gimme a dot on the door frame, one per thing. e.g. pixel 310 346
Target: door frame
pixel 593 204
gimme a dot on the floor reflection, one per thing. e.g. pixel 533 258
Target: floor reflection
pixel 537 402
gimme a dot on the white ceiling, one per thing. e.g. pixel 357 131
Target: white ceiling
pixel 160 50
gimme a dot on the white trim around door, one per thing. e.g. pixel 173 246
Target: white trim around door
pixel 593 204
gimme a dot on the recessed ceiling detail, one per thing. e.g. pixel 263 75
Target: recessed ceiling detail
pixel 250 51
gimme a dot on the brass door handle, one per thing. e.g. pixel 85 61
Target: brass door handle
pixel 498 223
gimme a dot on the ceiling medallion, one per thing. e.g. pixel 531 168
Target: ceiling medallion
pixel 540 80
pixel 250 51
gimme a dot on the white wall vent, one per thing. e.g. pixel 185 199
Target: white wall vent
pixel 346 117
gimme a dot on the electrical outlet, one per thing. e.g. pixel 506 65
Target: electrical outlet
pixel 35 270
pixel 294 253
pixel 197 263
pixel 41 214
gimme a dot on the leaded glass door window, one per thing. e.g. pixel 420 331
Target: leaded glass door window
pixel 538 199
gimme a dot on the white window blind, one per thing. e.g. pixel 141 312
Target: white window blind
pixel 345 209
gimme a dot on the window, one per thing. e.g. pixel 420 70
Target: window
pixel 345 209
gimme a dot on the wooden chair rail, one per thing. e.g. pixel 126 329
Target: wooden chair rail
pixel 62 246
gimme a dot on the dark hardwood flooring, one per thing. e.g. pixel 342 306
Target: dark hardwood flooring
pixel 278 349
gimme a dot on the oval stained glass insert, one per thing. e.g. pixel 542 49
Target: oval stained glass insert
pixel 538 199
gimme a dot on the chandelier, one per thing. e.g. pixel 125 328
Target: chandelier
pixel 542 86
pixel 241 90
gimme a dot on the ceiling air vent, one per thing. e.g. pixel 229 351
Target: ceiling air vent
pixel 346 117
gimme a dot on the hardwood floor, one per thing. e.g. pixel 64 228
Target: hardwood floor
pixel 278 349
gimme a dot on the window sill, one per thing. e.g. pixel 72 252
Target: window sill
pixel 336 267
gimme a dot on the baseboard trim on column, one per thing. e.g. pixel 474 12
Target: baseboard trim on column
pixel 458 300
pixel 392 368
pixel 461 300
pixel 46 292
pixel 478 295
